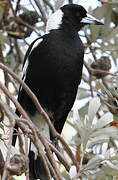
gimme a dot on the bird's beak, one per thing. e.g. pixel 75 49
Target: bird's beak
pixel 91 20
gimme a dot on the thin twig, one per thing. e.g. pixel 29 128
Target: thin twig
pixel 35 140
pixel 18 106
pixel 68 150
pixel 17 6
pixel 92 50
pixel 35 9
pixel 97 71
pixel 32 96
pixel 22 124
pixel 6 78
pixel 19 20
pixel 44 18
pixel 19 59
pixel 12 123
pixel 51 169
pixel 49 4
pixel 60 156
pixel 10 4
pixel 2 163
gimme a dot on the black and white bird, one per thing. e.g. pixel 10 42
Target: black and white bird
pixel 53 73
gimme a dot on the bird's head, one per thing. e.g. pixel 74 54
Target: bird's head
pixel 71 16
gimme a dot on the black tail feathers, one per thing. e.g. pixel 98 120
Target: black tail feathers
pixel 36 167
pixel 15 130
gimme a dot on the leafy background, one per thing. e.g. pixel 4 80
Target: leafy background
pixel 93 119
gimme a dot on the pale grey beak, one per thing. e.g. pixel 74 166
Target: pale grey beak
pixel 91 20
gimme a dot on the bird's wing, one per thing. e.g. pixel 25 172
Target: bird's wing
pixel 24 68
pixel 34 44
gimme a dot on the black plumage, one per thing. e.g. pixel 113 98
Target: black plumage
pixel 54 72
pixel 55 75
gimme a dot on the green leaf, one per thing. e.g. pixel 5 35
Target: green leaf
pixel 2 127
pixel 3 39
pixel 1 13
pixel 113 34
pixel 83 93
pixel 83 110
pixel 100 13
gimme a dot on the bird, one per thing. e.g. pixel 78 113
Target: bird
pixel 53 70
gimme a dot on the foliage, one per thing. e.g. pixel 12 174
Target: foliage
pixel 95 133
pixel 92 151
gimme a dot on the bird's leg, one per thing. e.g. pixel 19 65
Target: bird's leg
pixel 55 143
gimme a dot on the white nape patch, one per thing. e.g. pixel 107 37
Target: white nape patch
pixel 54 21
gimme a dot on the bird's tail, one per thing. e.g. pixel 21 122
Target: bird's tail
pixel 15 130
pixel 36 165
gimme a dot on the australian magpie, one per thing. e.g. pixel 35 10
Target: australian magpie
pixel 53 72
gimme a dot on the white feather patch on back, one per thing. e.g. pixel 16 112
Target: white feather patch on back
pixel 54 21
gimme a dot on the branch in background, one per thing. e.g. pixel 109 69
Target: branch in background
pixel 90 82
pixel 41 111
pixel 17 26
pixel 7 161
pixel 15 164
pixel 24 124
pixel 38 106
pixel 32 96
pixel 51 169
pixel 6 78
pixel 2 163
pixel 95 59
pixel 19 20
pixel 51 157
pixel 90 78
pixel 34 8
pixel 12 167
pixel 68 150
pixel 49 4
pixel 10 4
pixel 32 132
pixel 19 59
pixel 44 18
pixel 17 6
pixel 91 50
pixel 97 71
